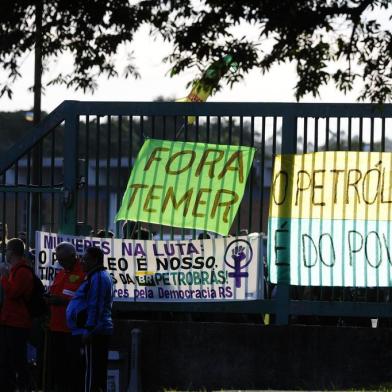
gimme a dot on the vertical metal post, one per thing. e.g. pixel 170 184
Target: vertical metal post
pixel 35 208
pixel 38 61
pixel 289 146
pixel 69 206
pixel 135 379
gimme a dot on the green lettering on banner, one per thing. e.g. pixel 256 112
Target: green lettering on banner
pixel 185 184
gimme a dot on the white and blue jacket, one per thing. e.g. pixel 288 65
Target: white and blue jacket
pixel 90 310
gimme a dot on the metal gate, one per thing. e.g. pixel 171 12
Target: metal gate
pixel 68 174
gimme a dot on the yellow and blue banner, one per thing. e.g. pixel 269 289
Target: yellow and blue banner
pixel 330 219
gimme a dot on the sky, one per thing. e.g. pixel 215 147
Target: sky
pixel 275 86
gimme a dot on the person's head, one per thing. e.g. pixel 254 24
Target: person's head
pixel 66 255
pixel 101 234
pixel 14 250
pixel 203 236
pixel 22 235
pixel 104 234
pixel 141 234
pixel 92 258
pixel 128 229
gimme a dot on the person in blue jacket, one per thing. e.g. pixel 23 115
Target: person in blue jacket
pixel 89 314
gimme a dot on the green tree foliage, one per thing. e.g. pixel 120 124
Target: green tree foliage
pixel 92 30
pixel 312 33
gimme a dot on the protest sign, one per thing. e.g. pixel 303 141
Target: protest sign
pixel 183 184
pixel 222 269
pixel 330 219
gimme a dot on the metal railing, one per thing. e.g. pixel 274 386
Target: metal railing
pixel 87 150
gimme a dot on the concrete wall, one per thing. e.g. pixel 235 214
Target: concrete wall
pixel 193 356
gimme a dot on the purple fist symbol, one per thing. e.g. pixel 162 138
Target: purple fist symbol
pixel 242 256
pixel 238 254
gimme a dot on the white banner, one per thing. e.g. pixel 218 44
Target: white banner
pixel 221 269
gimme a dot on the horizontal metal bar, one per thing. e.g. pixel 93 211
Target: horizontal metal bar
pixel 341 308
pixel 310 308
pixel 232 109
pixel 30 188
pixel 245 307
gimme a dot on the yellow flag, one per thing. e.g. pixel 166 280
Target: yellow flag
pixel 204 87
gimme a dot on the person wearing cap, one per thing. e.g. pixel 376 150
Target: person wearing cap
pixel 17 282
pixel 66 359
pixel 89 315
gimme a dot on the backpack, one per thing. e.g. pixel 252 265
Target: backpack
pixel 36 304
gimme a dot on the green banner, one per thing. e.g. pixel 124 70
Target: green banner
pixel 185 184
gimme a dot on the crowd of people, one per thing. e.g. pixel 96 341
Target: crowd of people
pixel 78 314
pixel 79 325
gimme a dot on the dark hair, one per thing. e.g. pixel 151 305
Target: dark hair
pixel 95 253
pixel 128 229
pixel 103 234
pixel 141 234
pixel 16 246
pixel 203 236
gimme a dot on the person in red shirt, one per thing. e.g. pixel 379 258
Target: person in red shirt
pixel 17 282
pixel 66 359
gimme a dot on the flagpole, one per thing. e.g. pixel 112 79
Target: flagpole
pixel 179 132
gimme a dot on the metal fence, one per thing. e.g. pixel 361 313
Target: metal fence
pixel 70 171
